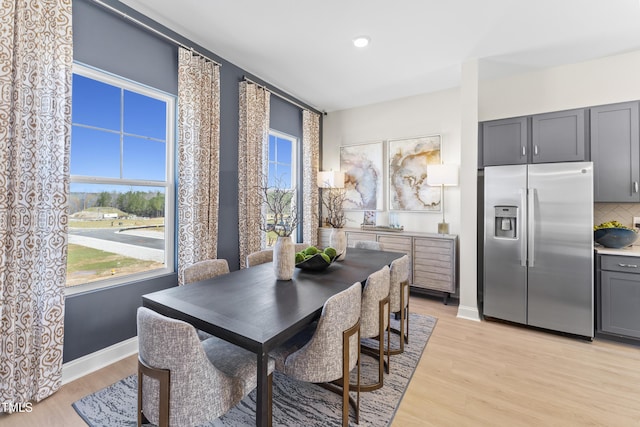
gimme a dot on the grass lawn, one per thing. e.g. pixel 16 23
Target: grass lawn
pixel 86 265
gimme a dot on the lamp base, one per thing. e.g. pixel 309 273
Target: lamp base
pixel 443 228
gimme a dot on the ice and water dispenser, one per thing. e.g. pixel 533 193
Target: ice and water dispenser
pixel 506 218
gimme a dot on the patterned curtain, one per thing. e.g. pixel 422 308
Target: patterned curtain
pixel 310 160
pixel 252 161
pixel 35 129
pixel 198 158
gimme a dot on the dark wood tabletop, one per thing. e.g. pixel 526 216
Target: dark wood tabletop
pixel 253 310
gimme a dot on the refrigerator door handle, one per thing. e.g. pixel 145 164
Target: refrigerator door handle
pixel 531 213
pixel 521 227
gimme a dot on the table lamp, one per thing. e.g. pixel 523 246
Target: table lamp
pixel 442 175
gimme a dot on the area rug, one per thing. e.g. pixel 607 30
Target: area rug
pixel 295 403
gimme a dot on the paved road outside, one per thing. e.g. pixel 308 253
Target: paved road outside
pixel 140 243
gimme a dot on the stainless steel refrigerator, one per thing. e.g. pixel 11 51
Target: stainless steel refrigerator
pixel 538 245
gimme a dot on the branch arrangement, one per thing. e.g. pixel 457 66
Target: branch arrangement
pixel 333 200
pixel 281 213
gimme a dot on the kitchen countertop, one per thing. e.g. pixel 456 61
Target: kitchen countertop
pixel 628 251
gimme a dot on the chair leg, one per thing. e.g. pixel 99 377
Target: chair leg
pixel 346 336
pixel 270 398
pixel 380 351
pixel 164 378
pixel 404 317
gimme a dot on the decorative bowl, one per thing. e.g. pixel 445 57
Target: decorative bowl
pixel 315 263
pixel 615 237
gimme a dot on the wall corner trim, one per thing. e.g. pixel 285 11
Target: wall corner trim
pixel 97 360
pixel 469 313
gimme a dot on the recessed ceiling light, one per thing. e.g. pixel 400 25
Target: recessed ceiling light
pixel 361 41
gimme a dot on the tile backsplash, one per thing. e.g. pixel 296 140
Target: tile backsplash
pixel 621 212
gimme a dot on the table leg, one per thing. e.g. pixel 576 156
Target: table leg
pixel 263 412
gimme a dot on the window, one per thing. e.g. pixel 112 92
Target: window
pixel 122 193
pixel 281 171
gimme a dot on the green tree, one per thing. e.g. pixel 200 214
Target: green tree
pixel 104 199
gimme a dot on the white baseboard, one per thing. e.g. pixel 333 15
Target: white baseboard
pixel 92 362
pixel 469 313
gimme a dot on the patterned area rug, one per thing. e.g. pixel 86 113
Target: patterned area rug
pixel 294 403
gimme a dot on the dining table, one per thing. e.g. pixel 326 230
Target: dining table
pixel 252 309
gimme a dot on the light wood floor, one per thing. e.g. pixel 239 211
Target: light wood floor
pixel 471 374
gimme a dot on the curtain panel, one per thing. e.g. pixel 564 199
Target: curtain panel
pixel 253 144
pixel 35 129
pixel 198 159
pixel 310 161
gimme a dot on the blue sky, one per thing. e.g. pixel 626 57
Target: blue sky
pixel 280 161
pixel 96 152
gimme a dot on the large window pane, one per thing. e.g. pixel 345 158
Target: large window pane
pixel 95 153
pixel 144 116
pixel 144 159
pixel 95 103
pixel 114 230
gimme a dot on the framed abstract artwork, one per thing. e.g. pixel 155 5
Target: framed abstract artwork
pixel 363 176
pixel 409 161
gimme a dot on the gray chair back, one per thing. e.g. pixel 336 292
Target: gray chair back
pixel 204 270
pixel 375 289
pixel 399 273
pixel 259 257
pixel 320 359
pixel 173 345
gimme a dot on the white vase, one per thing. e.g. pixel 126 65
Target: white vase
pixel 338 241
pixel 284 258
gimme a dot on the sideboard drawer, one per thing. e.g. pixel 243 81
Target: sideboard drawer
pixel 396 243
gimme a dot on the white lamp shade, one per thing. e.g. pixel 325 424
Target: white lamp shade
pixel 442 175
pixel 331 179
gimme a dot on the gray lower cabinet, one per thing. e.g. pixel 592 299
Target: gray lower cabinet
pixel 615 151
pixel 433 257
pixel 559 137
pixel 619 296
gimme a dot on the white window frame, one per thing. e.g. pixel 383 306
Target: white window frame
pixel 295 142
pixel 168 184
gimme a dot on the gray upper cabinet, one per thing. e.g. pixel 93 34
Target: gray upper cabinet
pixel 504 142
pixel 559 137
pixel 615 150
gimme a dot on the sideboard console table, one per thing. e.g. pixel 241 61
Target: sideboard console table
pixel 434 257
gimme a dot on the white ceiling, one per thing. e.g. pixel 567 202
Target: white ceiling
pixel 417 46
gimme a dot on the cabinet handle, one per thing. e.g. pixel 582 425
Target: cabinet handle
pixel 628 265
pixel 524 150
pixel 635 186
pixel 535 150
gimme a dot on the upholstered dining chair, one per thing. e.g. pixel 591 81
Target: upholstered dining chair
pixel 374 320
pixel 185 382
pixel 204 270
pixel 399 298
pixel 259 257
pixel 327 352
pixel 369 244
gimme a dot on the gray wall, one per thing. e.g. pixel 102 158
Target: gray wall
pixel 100 318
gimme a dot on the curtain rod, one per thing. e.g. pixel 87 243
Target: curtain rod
pixel 289 100
pixel 153 30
